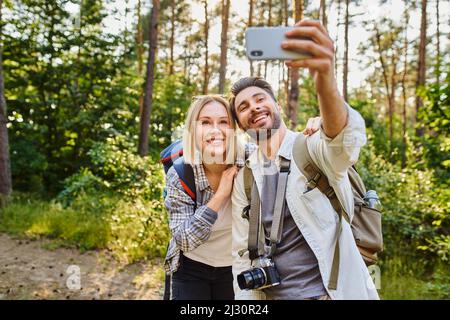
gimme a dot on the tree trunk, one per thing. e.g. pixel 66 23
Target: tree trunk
pixel 5 165
pixel 323 13
pixel 249 24
pixel 206 68
pixel 140 52
pixel 285 69
pixel 224 45
pixel 294 91
pixel 145 117
pixel 187 50
pixel 438 45
pixel 269 23
pixel 421 72
pixel 337 39
pixel 392 103
pixel 345 70
pixel 172 37
pixel 390 87
pixel 405 71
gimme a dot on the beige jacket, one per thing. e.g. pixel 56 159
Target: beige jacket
pixel 312 211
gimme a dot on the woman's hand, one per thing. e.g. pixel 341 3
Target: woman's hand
pixel 312 126
pixel 224 190
pixel 226 182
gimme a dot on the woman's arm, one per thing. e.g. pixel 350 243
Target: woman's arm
pixel 190 228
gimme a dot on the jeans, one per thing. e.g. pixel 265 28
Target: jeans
pixel 198 281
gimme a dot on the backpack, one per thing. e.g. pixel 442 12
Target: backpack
pixel 366 223
pixel 172 156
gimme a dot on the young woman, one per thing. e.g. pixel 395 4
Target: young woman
pixel 198 261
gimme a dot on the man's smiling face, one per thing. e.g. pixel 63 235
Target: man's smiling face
pixel 257 110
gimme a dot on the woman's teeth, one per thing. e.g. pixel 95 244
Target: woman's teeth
pixel 215 142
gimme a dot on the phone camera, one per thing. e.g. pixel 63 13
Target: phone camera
pixel 256 53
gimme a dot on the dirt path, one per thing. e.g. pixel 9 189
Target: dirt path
pixel 28 271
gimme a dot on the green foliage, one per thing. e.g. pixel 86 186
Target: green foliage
pixel 65 82
pixel 173 95
pixel 115 161
pixel 82 225
pixel 132 229
pixel 416 213
pixel 133 186
pixel 411 287
pixel 139 229
pixel 435 117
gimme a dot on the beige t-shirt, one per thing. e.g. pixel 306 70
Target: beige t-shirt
pixel 216 251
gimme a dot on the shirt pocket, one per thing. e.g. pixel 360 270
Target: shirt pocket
pixel 320 207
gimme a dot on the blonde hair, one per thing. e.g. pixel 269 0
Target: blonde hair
pixel 191 154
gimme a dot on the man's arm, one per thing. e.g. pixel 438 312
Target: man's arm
pixel 240 239
pixel 321 66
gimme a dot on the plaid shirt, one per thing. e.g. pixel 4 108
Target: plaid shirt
pixel 190 227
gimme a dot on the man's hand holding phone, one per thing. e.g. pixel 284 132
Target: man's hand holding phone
pixel 320 47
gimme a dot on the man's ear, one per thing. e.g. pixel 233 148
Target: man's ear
pixel 239 125
pixel 279 107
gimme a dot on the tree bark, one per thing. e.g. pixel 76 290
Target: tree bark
pixel 405 71
pixel 148 97
pixel 285 69
pixel 269 23
pixel 5 165
pixel 438 45
pixel 172 37
pixel 140 53
pixel 337 39
pixel 422 65
pixel 206 34
pixel 250 24
pixel 345 70
pixel 323 13
pixel 294 92
pixel 224 45
pixel 390 87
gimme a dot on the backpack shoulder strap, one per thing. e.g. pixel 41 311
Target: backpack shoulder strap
pixel 304 162
pixel 248 182
pixel 248 185
pixel 316 178
pixel 186 174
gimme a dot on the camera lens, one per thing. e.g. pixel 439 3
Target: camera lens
pixel 251 279
pixel 256 53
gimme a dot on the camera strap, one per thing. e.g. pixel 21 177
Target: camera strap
pixel 256 238
pixel 255 241
pixel 280 202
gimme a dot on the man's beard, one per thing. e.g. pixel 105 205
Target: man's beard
pixel 263 134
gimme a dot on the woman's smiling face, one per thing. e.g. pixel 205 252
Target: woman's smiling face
pixel 213 131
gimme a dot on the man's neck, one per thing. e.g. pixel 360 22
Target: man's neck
pixel 271 146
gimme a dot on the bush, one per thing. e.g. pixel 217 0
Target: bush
pixel 416 218
pixel 139 230
pixel 132 186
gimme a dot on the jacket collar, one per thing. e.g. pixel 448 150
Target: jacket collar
pixel 285 150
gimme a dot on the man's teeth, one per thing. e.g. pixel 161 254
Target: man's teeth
pixel 260 118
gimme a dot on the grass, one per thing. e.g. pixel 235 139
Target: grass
pixel 34 218
pixel 132 231
pixel 407 288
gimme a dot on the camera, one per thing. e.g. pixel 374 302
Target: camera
pixel 263 275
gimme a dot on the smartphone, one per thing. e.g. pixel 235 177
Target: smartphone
pixel 264 43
